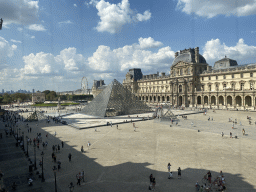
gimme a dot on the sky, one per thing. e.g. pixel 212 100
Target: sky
pixel 52 45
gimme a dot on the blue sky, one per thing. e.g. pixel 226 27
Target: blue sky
pixel 53 44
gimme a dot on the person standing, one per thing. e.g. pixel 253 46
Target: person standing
pixel 82 149
pixel 150 181
pixel 179 173
pixel 82 175
pixel 78 179
pixel 153 184
pixel 88 145
pixel 62 144
pixel 209 176
pixel 222 134
pixel 69 157
pixel 169 167
pixel 230 135
pixel 117 126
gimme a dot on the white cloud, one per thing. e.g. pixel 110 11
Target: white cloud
pixel 144 17
pixel 6 49
pixel 75 5
pixel 213 8
pixel 65 22
pixel 36 27
pixel 131 56
pixel 72 61
pixel 32 37
pixel 149 42
pixel 15 41
pixel 215 50
pixel 114 16
pixel 45 63
pixel 23 12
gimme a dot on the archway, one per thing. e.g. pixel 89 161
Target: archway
pixel 229 100
pixel 150 98
pixel 221 100
pixel 139 97
pixel 147 98
pixel 158 99
pixel 154 98
pixel 143 98
pixel 180 100
pixel 238 100
pixel 199 100
pixel 168 98
pixel 248 101
pixel 213 100
pixel 163 99
pixel 206 100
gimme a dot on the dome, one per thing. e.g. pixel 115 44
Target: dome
pixel 188 57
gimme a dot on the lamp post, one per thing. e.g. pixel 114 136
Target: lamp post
pixel 35 157
pixel 23 148
pixel 42 154
pixel 55 170
pixel 27 145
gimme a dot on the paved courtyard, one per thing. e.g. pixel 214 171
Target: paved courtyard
pixel 122 159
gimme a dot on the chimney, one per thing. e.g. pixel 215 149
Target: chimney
pixel 197 54
pixel 176 54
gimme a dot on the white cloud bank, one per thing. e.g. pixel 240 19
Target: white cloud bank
pixel 215 50
pixel 23 12
pixel 212 8
pixel 114 16
pixel 131 56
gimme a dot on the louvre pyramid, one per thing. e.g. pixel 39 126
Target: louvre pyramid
pixel 168 115
pixel 115 100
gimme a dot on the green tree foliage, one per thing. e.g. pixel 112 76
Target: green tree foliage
pixel 9 98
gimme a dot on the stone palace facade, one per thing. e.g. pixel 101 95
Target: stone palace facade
pixel 193 83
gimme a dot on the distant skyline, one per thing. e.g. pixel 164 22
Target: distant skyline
pixel 48 45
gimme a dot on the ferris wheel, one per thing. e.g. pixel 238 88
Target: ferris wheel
pixel 84 84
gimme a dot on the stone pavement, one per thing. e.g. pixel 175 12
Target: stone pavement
pixel 122 160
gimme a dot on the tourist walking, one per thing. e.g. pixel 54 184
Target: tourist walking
pixel 222 134
pixel 230 135
pixel 82 149
pixel 243 131
pixel 62 144
pixel 116 126
pixel 179 173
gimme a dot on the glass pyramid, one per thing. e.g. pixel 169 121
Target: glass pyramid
pixel 115 100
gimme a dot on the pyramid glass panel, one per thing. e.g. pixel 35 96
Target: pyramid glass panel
pixel 115 100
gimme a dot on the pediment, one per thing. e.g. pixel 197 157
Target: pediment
pixel 180 65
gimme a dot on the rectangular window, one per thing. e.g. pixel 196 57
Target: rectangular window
pixel 242 75
pixel 209 77
pixel 242 86
pixel 251 74
pixel 224 76
pixel 202 87
pixel 232 76
pixel 216 77
pixel 202 78
pixel 210 88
